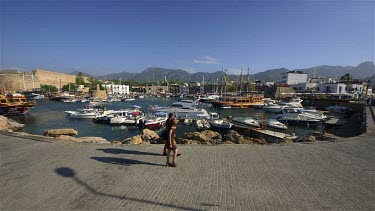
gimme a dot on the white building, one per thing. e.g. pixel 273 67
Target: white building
pixel 322 80
pixel 293 77
pixel 301 87
pixel 117 89
pixel 334 88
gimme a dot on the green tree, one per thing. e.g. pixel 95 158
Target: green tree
pixel 69 87
pixel 49 88
pixel 346 78
pixel 79 79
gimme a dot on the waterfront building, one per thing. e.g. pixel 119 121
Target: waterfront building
pixel 302 87
pixel 117 89
pixel 320 80
pixel 293 77
pixel 334 88
pixel 156 89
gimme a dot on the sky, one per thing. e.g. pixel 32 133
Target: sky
pixel 103 36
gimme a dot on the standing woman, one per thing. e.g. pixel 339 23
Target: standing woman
pixel 170 143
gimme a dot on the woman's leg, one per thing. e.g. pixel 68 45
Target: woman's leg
pixel 168 154
pixel 175 155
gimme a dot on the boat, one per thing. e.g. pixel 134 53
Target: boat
pixel 295 116
pixel 239 102
pixel 84 114
pixel 209 98
pixel 69 100
pixel 273 123
pixel 34 96
pixel 125 117
pixel 338 109
pixel 201 124
pixel 182 110
pixel 15 104
pixel 127 99
pixel 220 125
pixel 245 121
pixel 155 121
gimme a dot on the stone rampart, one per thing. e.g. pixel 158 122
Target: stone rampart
pixel 18 81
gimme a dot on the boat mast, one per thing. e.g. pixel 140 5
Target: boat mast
pixel 221 83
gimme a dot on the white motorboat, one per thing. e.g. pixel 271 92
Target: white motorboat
pixel 273 123
pixel 201 124
pixel 245 121
pixel 209 98
pixel 338 109
pixel 83 114
pixel 182 110
pixel 295 116
pixel 34 96
pixel 221 125
pixel 155 121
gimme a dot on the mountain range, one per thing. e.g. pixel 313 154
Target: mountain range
pixel 361 71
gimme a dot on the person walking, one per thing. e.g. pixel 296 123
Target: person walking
pixel 170 143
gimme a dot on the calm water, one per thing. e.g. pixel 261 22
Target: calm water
pixel 50 115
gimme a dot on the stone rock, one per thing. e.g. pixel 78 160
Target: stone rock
pixel 117 142
pixel 148 134
pixel 260 140
pixel 186 141
pixel 9 124
pixel 88 139
pixel 60 132
pixel 310 138
pixel 203 139
pixel 227 142
pixel 134 140
pixel 248 141
pixel 286 140
pixel 211 134
pixel 234 137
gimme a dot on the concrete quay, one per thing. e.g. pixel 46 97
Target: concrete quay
pixel 58 175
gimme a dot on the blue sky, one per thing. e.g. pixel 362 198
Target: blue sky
pixel 100 37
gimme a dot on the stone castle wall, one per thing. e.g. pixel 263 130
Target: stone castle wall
pixel 16 82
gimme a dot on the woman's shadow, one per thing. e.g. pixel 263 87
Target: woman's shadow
pixel 123 161
pixel 129 152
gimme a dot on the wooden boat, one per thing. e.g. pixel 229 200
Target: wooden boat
pixel 15 104
pixel 239 102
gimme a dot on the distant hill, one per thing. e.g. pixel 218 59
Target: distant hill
pixel 362 71
pixel 84 74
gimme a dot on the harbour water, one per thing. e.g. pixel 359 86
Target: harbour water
pixel 51 115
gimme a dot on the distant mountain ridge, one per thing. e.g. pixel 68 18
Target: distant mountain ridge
pixel 361 71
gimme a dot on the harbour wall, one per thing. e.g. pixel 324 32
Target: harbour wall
pixel 19 81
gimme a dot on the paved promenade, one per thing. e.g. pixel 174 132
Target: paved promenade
pixel 43 175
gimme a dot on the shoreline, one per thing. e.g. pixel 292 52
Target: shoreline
pixel 368 114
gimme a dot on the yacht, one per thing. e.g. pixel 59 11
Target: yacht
pixel 83 114
pixel 155 121
pixel 182 110
pixel 292 115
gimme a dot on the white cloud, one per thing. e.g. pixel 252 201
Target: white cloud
pixel 189 69
pixel 207 60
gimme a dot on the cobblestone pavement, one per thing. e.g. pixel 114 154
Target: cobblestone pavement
pixel 42 175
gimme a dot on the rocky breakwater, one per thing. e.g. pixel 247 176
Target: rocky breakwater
pixel 9 124
pixel 207 137
pixel 67 134
pixel 146 137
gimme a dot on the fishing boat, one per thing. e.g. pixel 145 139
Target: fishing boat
pixel 245 121
pixel 201 124
pixel 220 125
pixel 239 102
pixel 15 104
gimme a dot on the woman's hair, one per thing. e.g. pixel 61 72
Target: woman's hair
pixel 170 115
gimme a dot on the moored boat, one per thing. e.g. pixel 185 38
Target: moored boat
pixel 220 125
pixel 201 124
pixel 15 104
pixel 239 102
pixel 245 121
